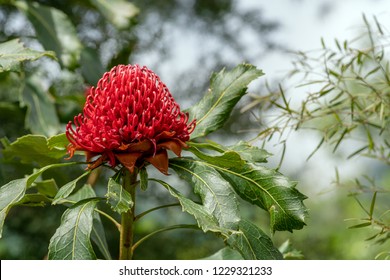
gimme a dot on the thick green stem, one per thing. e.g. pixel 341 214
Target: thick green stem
pixel 127 219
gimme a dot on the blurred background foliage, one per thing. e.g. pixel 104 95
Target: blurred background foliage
pixel 345 109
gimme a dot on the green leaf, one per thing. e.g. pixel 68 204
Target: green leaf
pixel 217 195
pixel 226 89
pixel 47 188
pixel 14 191
pixel 206 221
pixel 67 189
pixel 33 149
pixel 242 236
pixel 10 194
pixel 258 185
pixel 98 235
pixel 71 240
pixel 225 254
pixel 289 252
pixel 118 198
pixel 91 66
pixel 13 52
pixel 246 151
pixel 365 224
pixel 41 116
pixel 118 12
pixel 58 142
pixel 34 200
pixel 54 30
pixel 253 243
pixel 250 153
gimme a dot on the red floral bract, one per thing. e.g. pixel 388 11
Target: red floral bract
pixel 129 118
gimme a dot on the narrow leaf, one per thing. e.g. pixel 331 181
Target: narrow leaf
pixel 253 243
pixel 13 52
pixel 373 204
pixel 118 198
pixel 365 224
pixel 71 240
pixel 226 89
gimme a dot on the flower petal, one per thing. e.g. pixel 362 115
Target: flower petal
pixel 174 145
pixel 128 160
pixel 160 161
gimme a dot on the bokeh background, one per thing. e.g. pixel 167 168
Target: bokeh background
pixel 184 41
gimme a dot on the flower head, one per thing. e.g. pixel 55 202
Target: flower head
pixel 130 117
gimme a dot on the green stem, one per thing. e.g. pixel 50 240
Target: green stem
pixel 184 226
pixel 118 225
pixel 139 216
pixel 127 218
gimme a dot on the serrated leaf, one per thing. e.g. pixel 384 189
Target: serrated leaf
pixel 54 30
pixel 118 12
pixel 261 186
pixel 33 149
pixel 14 191
pixel 246 151
pixel 118 198
pixel 13 52
pixel 67 189
pixel 226 89
pixel 250 153
pixel 206 221
pixel 71 240
pixel 253 243
pixel 41 115
pixel 217 195
pixel 242 236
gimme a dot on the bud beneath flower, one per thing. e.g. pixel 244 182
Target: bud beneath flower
pixel 130 118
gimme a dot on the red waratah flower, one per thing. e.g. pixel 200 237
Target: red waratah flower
pixel 129 118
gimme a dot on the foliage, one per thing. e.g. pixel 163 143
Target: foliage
pixel 218 175
pixel 348 104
